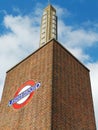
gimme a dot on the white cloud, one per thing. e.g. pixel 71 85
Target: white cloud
pixel 94 83
pixel 23 38
pixel 81 37
pixel 74 37
pixel 94 80
pixel 16 44
pixel 62 12
pixel 17 10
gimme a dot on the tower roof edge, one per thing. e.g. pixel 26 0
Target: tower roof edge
pixel 50 6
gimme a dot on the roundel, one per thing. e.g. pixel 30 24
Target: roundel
pixel 22 102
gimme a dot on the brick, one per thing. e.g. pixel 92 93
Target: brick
pixel 64 100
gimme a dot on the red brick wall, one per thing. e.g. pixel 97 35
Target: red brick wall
pixel 36 115
pixel 72 98
pixel 64 100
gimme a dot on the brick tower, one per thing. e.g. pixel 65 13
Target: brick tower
pixel 62 102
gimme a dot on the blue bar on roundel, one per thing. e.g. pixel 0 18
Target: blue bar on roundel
pixel 24 94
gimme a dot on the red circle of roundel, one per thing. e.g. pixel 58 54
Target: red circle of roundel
pixel 18 106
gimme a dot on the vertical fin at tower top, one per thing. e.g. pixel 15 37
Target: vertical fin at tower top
pixel 48 27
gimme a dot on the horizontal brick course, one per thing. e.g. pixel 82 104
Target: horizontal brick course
pixel 72 107
pixel 36 115
pixel 64 100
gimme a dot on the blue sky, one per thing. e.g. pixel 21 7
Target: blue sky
pixel 77 31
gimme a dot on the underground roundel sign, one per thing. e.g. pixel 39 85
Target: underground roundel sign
pixel 24 94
